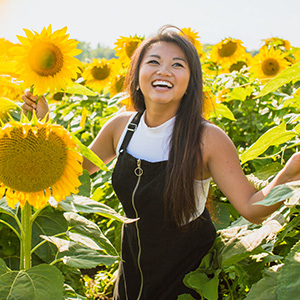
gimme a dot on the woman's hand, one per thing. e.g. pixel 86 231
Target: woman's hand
pixel 291 171
pixel 41 107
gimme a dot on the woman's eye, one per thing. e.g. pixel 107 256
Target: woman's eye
pixel 153 62
pixel 177 65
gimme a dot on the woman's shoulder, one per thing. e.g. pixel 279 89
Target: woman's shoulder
pixel 214 138
pixel 120 119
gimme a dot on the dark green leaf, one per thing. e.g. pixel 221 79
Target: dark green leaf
pixel 40 282
pixel 289 279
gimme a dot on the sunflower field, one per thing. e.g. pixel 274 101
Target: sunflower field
pixel 60 227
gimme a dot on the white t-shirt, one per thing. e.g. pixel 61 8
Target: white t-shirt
pixel 152 144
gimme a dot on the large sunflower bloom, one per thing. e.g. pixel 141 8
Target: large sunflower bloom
pixel 228 52
pixel 35 160
pixel 193 37
pixel 268 63
pixel 99 73
pixel 46 60
pixel 125 47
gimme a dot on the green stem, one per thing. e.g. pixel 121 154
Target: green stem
pixel 26 237
pixel 12 228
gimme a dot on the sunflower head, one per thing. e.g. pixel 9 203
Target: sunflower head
pixel 277 43
pixel 228 52
pixel 209 103
pixel 125 47
pixel 268 63
pixel 46 60
pixel 193 37
pixel 5 46
pixel 99 73
pixel 37 159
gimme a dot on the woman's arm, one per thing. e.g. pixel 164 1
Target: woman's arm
pixel 223 164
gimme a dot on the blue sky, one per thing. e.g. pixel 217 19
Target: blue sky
pixel 98 21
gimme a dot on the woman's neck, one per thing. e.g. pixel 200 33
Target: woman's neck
pixel 156 118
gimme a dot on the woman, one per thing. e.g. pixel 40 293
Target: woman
pixel 167 155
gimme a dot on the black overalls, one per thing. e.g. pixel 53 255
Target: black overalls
pixel 155 256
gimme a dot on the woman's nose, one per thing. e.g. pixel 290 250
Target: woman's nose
pixel 163 70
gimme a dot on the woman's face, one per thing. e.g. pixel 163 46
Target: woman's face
pixel 164 75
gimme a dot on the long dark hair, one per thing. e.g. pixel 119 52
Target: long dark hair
pixel 185 145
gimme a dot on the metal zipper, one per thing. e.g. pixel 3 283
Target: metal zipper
pixel 138 172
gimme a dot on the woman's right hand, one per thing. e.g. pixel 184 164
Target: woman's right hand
pixel 41 107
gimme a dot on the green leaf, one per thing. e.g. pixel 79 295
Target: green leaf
pixel 5 208
pixel 86 205
pixel 265 289
pixel 223 111
pixel 289 279
pixel 85 227
pixel 274 136
pixel 40 282
pixel 79 256
pixel 287 75
pixel 79 89
pixel 70 294
pixel 206 287
pixel 281 193
pixel 85 188
pixel 221 215
pixel 48 222
pixel 89 154
pixel 185 297
pixel 239 93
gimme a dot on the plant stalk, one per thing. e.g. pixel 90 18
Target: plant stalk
pixel 25 263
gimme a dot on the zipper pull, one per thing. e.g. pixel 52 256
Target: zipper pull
pixel 138 171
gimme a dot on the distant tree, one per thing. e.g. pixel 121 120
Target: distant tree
pixel 88 53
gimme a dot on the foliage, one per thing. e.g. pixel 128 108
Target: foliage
pixel 77 241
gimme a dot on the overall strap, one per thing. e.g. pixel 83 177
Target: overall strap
pixel 130 130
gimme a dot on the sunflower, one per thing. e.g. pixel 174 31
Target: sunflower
pixel 244 62
pixel 193 37
pixel 46 60
pixel 99 73
pixel 125 47
pixel 277 43
pixel 5 106
pixel 10 88
pixel 35 159
pixel 228 52
pixel 5 54
pixel 118 80
pixel 268 63
pixel 209 103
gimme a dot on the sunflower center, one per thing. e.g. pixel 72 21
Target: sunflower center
pixel 270 67
pixel 46 59
pixel 130 47
pixel 100 73
pixel 227 49
pixel 237 66
pixel 33 163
